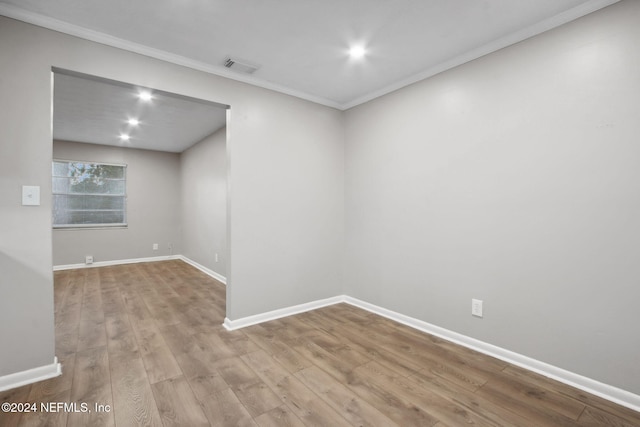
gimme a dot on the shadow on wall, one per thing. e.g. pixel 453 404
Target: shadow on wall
pixel 20 329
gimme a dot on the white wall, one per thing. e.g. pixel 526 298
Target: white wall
pixel 512 179
pixel 285 244
pixel 153 207
pixel 203 172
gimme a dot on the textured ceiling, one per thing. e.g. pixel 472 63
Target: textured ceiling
pixel 301 45
pixel 96 111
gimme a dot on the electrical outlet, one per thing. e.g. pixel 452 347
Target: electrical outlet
pixel 476 307
pixel 216 257
pixel 88 259
pixel 155 246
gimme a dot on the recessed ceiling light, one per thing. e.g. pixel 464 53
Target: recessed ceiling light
pixel 145 95
pixel 133 122
pixel 357 52
pixel 124 137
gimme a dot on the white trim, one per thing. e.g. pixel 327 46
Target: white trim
pixel 213 274
pixel 20 14
pixel 122 165
pixel 608 392
pixel 30 17
pixel 508 40
pixel 219 277
pixel 31 376
pixel 115 262
pixel 614 394
pixel 232 325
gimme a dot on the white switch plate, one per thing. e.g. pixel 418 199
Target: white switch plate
pixel 476 307
pixel 30 195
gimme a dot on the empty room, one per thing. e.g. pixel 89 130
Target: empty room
pixel 319 213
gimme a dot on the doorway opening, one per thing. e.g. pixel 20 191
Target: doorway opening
pixel 139 174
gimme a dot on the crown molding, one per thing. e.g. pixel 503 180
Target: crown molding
pixel 508 40
pixel 39 20
pixel 103 38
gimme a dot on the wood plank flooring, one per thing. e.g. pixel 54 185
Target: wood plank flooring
pixel 146 339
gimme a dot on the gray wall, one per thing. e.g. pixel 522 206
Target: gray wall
pixel 203 172
pixel 153 207
pixel 287 231
pixel 286 234
pixel 512 179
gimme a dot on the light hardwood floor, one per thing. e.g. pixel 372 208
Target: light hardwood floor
pixel 146 339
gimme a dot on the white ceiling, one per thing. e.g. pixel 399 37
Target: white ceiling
pixel 301 45
pixel 96 111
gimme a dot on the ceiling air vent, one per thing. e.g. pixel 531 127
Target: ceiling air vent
pixel 241 66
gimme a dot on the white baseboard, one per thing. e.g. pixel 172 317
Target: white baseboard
pixel 115 262
pixel 614 394
pixel 31 376
pixel 219 277
pixel 277 314
pixel 608 392
pixel 611 393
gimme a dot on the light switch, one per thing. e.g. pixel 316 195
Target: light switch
pixel 30 195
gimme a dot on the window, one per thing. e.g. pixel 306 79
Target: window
pixel 88 194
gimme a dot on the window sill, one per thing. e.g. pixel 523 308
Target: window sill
pixel 89 227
